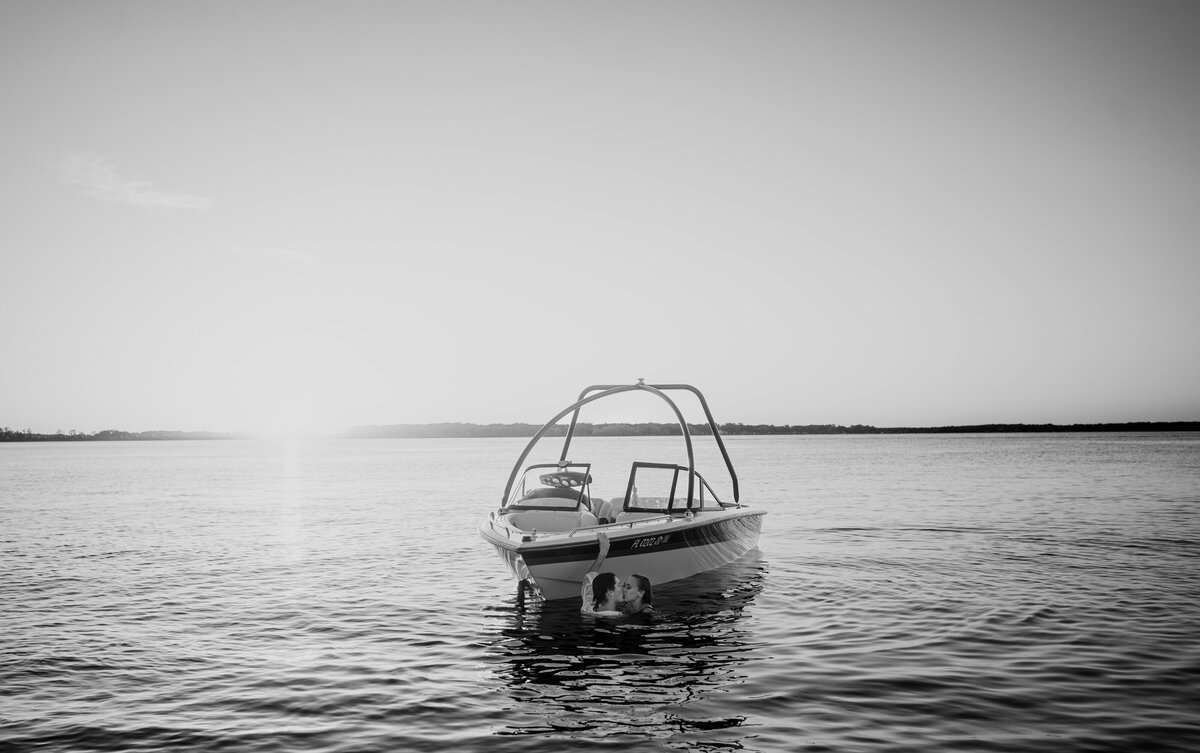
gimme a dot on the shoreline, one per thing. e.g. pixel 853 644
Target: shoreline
pixel 467 430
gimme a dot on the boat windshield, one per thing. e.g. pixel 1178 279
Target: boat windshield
pixel 553 486
pixel 663 488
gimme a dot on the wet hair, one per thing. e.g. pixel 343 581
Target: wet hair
pixel 644 583
pixel 601 585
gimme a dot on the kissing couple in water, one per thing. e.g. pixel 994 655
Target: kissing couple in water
pixel 604 595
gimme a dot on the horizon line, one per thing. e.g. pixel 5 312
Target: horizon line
pixel 463 429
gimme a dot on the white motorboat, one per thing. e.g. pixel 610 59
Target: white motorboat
pixel 669 524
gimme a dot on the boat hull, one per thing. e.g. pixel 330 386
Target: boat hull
pixel 662 549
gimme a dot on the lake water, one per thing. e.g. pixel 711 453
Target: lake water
pixel 911 593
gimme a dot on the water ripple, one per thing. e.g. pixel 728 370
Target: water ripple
pixel 932 594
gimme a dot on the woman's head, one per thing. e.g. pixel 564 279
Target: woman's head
pixel 636 584
pixel 602 588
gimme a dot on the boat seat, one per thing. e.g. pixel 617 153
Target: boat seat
pixel 553 497
pixel 606 512
pixel 550 520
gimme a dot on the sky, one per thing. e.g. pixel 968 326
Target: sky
pixel 307 216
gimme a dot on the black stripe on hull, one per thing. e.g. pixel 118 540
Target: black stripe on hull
pixel 653 541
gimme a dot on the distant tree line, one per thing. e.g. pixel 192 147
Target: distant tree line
pixel 466 430
pixel 1133 426
pixel 450 430
pixel 109 435
pixel 735 429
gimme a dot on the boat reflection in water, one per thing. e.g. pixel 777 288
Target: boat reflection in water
pixel 656 677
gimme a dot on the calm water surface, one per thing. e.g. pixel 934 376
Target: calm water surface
pixel 911 593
